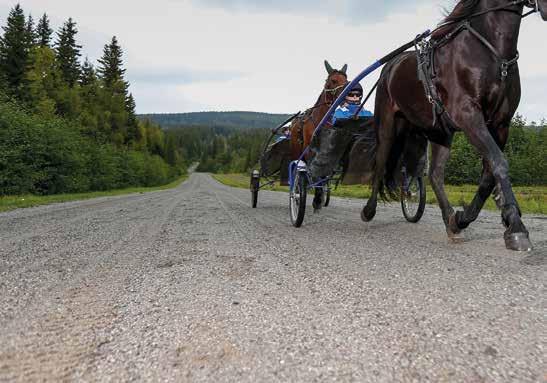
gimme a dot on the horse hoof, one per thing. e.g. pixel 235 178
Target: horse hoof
pixel 455 237
pixel 518 242
pixel 367 214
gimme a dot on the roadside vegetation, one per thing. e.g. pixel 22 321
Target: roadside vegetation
pixel 30 200
pixel 532 199
pixel 68 126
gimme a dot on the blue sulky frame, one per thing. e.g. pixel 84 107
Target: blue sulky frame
pixel 300 165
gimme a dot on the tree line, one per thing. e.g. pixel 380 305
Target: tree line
pixel 236 150
pixel 68 126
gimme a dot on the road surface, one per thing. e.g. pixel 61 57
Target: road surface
pixel 191 284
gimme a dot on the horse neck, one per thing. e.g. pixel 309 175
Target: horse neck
pixel 321 105
pixel 500 28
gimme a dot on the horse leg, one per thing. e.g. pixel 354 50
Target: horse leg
pixel 385 134
pixel 486 186
pixel 516 236
pixel 471 212
pixel 317 199
pixel 439 157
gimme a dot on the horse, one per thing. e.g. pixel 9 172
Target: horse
pixel 475 89
pixel 303 127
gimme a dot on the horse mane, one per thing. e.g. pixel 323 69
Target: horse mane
pixel 461 11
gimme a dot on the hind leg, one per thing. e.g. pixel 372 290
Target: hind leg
pixel 487 182
pixel 439 157
pixel 318 199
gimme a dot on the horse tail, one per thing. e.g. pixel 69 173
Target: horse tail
pixel 386 175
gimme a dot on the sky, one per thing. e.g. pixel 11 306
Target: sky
pixel 255 55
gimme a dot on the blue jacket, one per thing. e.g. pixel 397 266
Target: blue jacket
pixel 346 111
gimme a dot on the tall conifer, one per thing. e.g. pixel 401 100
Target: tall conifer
pixel 44 32
pixel 88 75
pixel 30 32
pixel 111 63
pixel 14 50
pixel 68 52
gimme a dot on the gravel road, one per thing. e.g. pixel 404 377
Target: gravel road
pixel 191 284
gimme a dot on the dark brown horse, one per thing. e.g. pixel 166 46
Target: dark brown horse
pixel 302 128
pixel 480 96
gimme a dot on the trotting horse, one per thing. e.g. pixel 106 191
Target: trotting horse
pixel 475 86
pixel 302 127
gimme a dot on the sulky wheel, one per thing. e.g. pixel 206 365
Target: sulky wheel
pixel 297 198
pixel 413 199
pixel 255 186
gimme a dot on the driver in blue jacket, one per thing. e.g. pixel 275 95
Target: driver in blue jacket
pixel 350 105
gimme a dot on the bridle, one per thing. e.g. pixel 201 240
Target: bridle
pixel 465 24
pixel 334 91
pixel 426 51
pixel 534 4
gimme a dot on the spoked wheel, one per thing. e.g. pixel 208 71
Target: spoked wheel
pixel 413 199
pixel 255 186
pixel 297 199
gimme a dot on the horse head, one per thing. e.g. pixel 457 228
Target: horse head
pixel 336 81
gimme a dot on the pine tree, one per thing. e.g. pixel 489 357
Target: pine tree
pixel 88 75
pixel 68 53
pixel 14 51
pixel 44 32
pixel 111 64
pixel 30 33
pixel 130 108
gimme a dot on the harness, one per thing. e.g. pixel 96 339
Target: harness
pixel 425 54
pixel 308 113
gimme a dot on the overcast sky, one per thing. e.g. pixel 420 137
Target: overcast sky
pixel 200 55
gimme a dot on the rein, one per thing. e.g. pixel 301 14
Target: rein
pixel 505 7
pixel 425 50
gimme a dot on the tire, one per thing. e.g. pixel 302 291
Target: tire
pixel 327 198
pixel 413 200
pixel 297 199
pixel 255 186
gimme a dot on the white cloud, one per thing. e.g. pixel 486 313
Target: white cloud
pixel 262 60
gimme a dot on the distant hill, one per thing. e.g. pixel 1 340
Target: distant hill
pixel 218 119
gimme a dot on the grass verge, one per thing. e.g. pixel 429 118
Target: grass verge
pixel 532 199
pixel 30 200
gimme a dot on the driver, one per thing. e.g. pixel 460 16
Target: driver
pixel 350 105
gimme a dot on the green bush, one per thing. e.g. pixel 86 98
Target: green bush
pixel 41 155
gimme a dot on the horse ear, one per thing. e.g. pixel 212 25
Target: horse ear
pixel 328 67
pixel 344 68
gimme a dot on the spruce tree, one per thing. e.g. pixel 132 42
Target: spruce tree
pixel 30 33
pixel 14 51
pixel 88 75
pixel 68 52
pixel 130 108
pixel 111 64
pixel 44 32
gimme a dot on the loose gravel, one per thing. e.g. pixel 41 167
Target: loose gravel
pixel 191 284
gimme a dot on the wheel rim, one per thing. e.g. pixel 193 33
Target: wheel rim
pixel 295 198
pixel 411 197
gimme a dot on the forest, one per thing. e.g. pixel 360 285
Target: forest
pixel 236 150
pixel 68 126
pixel 244 120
